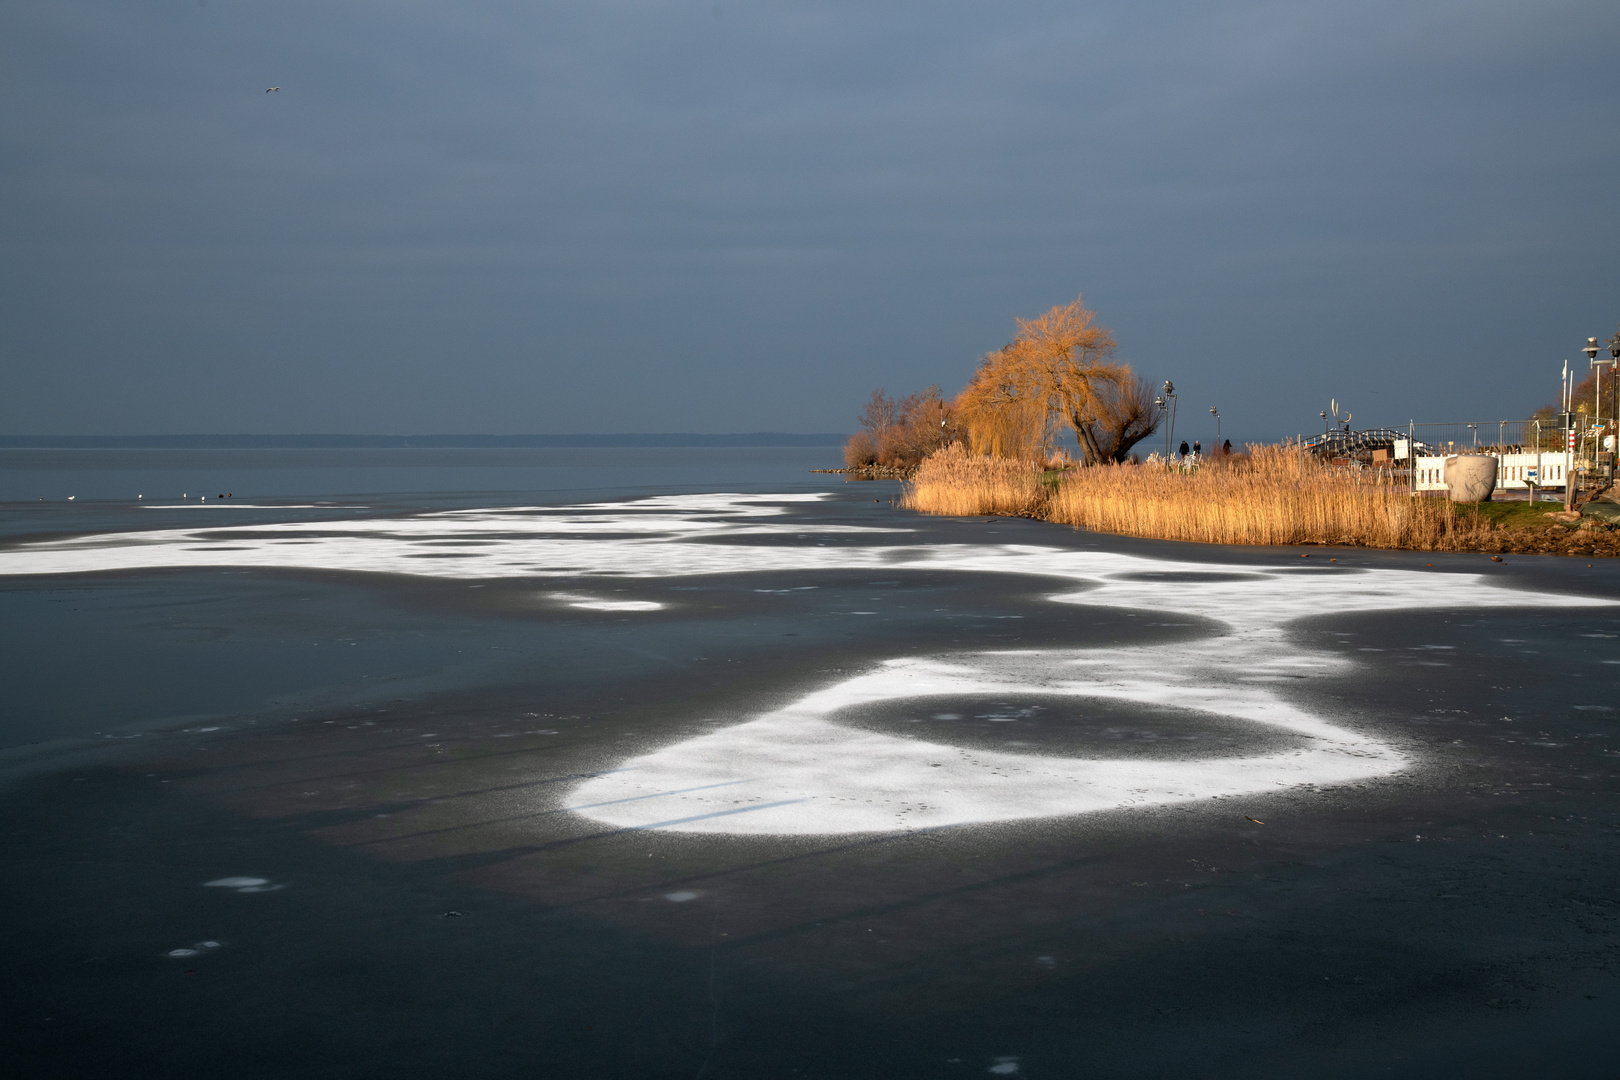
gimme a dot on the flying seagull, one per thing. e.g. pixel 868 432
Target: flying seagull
pixel 273 90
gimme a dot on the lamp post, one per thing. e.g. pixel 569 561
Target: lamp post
pixel 1216 413
pixel 1614 365
pixel 1591 351
pixel 1159 404
pixel 1170 434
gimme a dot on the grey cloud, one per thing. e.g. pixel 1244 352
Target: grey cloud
pixel 556 217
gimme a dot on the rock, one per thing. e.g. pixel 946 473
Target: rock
pixel 1470 477
pixel 1602 510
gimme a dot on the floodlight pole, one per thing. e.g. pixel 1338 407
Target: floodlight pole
pixel 1216 413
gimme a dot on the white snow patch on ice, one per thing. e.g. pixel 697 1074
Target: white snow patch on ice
pixel 593 603
pixel 789 771
pixel 796 769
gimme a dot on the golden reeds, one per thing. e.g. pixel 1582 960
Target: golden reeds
pixel 955 482
pixel 1271 495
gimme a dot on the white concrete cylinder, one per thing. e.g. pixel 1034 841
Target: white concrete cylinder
pixel 1470 477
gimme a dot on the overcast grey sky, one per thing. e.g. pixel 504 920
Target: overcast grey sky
pixel 702 216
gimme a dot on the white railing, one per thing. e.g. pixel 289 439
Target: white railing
pixel 1511 471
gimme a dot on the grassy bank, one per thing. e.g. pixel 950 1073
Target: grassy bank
pixel 1271 495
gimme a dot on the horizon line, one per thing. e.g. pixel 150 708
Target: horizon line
pixel 337 440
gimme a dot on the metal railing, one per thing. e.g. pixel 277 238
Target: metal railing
pixel 1530 453
pixel 1491 436
pixel 1461 437
pixel 1346 443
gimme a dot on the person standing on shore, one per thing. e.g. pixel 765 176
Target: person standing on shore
pixel 1198 448
pixel 1226 447
pixel 1183 448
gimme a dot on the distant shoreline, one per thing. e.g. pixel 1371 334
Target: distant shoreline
pixel 386 442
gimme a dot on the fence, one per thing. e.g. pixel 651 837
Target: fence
pixel 1514 472
pixel 1501 436
pixel 1463 437
pixel 1530 453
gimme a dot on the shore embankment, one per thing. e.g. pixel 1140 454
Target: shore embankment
pixel 1270 495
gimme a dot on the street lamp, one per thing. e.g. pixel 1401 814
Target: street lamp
pixel 1170 432
pixel 1591 352
pixel 1216 413
pixel 1614 365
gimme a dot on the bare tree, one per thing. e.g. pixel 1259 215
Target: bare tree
pixel 862 449
pixel 922 425
pixel 880 413
pixel 900 432
pixel 1124 413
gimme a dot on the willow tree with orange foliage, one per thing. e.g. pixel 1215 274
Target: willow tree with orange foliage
pixel 1059 370
pixel 1006 415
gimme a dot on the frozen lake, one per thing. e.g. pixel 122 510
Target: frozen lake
pixel 733 770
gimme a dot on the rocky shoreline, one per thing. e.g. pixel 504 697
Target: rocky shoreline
pixel 872 472
pixel 1589 532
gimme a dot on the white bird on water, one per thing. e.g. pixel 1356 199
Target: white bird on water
pixel 273 90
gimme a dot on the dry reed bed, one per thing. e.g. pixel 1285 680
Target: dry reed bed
pixel 1272 495
pixel 957 483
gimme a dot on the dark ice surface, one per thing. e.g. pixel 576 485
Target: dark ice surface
pixel 364 753
pixel 52 476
